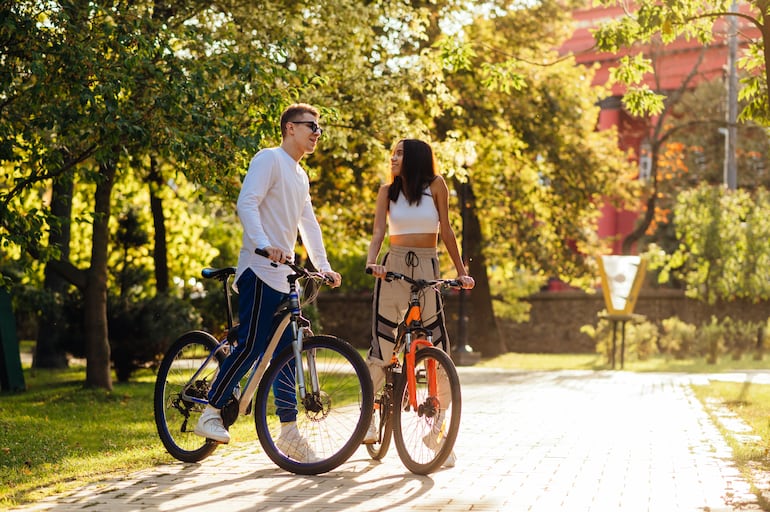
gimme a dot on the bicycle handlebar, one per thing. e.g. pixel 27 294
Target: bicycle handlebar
pixel 421 283
pixel 296 268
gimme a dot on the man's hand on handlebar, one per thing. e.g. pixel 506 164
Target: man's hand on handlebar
pixel 333 279
pixel 275 254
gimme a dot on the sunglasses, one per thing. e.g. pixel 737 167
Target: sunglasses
pixel 314 127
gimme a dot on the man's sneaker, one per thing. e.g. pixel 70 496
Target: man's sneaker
pixel 210 426
pixel 450 461
pixel 372 436
pixel 293 445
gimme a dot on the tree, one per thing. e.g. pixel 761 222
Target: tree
pixel 646 21
pixel 723 252
pixel 93 87
pixel 655 132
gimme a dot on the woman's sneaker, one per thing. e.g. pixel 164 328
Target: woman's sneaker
pixel 372 436
pixel 434 440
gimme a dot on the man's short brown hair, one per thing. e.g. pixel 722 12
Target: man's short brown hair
pixel 292 112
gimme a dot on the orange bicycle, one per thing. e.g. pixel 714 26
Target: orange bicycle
pixel 420 403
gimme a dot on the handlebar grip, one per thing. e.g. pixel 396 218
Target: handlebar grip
pixel 368 271
pixel 264 253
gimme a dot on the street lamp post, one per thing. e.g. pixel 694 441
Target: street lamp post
pixel 463 353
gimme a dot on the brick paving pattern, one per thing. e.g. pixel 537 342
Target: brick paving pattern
pixel 529 441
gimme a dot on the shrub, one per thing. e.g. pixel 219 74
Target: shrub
pixel 601 333
pixel 641 339
pixel 740 337
pixel 678 338
pixel 142 331
pixel 711 340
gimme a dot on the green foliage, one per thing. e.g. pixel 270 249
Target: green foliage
pixel 642 339
pixel 677 338
pixel 711 340
pixel 140 329
pixel 178 97
pixel 741 337
pixel 601 333
pixel 140 332
pixel 511 287
pixel 723 252
pixel 650 22
pixel 541 170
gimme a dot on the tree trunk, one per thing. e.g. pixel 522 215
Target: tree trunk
pixel 49 352
pixel 160 253
pixel 98 371
pixel 484 336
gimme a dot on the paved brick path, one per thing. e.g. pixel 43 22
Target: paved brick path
pixel 530 441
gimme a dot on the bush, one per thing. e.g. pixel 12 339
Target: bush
pixel 740 337
pixel 711 340
pixel 641 339
pixel 140 332
pixel 601 333
pixel 678 338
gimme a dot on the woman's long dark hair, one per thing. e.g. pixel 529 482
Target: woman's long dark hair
pixel 418 169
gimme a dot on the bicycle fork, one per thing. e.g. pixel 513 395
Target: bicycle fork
pixel 409 354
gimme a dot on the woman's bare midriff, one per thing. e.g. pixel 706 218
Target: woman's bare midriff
pixel 414 240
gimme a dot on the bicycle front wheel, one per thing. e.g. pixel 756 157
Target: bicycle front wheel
pixel 425 434
pixel 175 412
pixel 330 424
pixel 382 417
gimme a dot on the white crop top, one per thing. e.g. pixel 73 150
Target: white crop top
pixel 405 218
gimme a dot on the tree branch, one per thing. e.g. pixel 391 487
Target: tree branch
pixel 40 177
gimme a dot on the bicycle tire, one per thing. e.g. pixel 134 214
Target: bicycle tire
pixel 425 437
pixel 175 417
pixel 382 416
pixel 332 426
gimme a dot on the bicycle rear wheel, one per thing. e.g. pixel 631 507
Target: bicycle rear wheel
pixel 425 435
pixel 382 417
pixel 175 414
pixel 330 425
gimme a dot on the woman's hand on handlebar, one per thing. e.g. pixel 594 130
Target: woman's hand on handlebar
pixel 377 271
pixel 467 282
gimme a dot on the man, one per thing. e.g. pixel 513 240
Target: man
pixel 273 206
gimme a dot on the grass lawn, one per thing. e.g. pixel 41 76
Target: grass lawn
pixel 57 435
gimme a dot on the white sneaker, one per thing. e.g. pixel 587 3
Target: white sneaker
pixel 293 445
pixel 210 426
pixel 372 435
pixel 434 440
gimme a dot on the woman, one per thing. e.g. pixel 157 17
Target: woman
pixel 414 208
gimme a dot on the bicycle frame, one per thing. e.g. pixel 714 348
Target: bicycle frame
pixel 291 317
pixel 413 324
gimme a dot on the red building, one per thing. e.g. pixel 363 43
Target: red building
pixel 673 63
